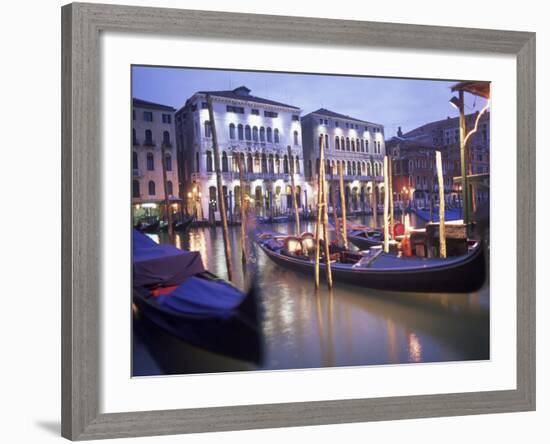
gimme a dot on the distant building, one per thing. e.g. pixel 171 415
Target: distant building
pixel 256 129
pixel 355 144
pixel 153 132
pixel 413 156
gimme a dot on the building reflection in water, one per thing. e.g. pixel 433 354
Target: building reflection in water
pixel 350 325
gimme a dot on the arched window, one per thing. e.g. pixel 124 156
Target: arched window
pixel 150 162
pixel 277 164
pixel 296 138
pixel 366 146
pixel 317 163
pixel 270 164
pixel 264 163
pixel 276 135
pixel 134 137
pixel 349 168
pixel 240 132
pixel 357 144
pixel 249 165
pixel 347 144
pixel 255 134
pixel 151 188
pixel 166 138
pixel 135 188
pixel 169 188
pixel 207 129
pixel 297 168
pixel 247 133
pixel 362 146
pixel 320 140
pixel 326 142
pixel 359 168
pixel 148 138
pixel 262 134
pixel 285 164
pixel 225 164
pixel 213 198
pixel 337 142
pixel 197 163
pixel 135 164
pixel 168 162
pixel 352 145
pixel 257 166
pixel 269 137
pixel 232 131
pixel 209 165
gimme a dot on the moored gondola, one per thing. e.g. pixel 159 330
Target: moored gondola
pixel 386 271
pixel 174 291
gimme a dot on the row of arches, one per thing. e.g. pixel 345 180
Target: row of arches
pixel 350 167
pixel 259 197
pixel 150 161
pixel 257 163
pixel 256 134
pixel 151 188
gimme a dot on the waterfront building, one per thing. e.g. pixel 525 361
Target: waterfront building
pixel 153 134
pixel 260 132
pixel 356 144
pixel 413 154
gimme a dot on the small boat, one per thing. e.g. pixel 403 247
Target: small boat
pixel 148 227
pixel 364 239
pixel 174 291
pixel 384 271
pixel 183 225
pixel 450 213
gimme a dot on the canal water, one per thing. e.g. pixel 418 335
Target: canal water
pixel 348 326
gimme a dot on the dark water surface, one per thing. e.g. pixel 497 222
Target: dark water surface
pixel 303 328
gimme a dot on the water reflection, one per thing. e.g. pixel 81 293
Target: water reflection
pixel 349 325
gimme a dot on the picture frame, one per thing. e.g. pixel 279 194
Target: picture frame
pixel 81 240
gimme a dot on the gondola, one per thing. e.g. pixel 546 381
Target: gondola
pixel 451 214
pixel 365 239
pixel 386 271
pixel 174 291
pixel 183 225
pixel 148 227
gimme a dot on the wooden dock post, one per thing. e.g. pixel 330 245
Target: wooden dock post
pixel 386 207
pixel 441 186
pixel 343 205
pixel 293 191
pixel 337 225
pixel 240 158
pixel 221 197
pixel 167 209
pixel 390 191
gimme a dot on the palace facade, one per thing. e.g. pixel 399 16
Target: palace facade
pixel 260 132
pixel 355 144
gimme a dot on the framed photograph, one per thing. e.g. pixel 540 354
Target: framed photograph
pixel 278 221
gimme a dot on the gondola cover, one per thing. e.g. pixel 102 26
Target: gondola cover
pixel 164 265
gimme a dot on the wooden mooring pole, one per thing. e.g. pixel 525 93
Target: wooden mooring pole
pixel 221 197
pixel 343 205
pixel 243 207
pixel 386 207
pixel 441 186
pixel 293 191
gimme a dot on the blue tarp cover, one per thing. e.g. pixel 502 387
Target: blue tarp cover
pixel 155 264
pixel 203 297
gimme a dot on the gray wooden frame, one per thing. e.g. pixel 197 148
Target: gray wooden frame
pixel 81 166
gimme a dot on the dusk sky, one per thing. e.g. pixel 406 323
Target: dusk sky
pixel 391 102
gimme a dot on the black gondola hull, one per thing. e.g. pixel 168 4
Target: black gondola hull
pixel 464 276
pixel 236 335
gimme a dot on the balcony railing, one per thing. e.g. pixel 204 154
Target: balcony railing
pixel 149 143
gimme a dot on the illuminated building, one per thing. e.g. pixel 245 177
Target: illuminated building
pixel 356 144
pixel 257 130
